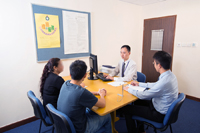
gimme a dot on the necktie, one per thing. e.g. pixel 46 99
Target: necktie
pixel 123 69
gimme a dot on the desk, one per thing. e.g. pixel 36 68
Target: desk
pixel 111 98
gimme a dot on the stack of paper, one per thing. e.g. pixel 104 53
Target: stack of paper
pixel 136 88
pixel 116 83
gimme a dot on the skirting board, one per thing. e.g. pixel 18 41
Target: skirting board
pixel 17 124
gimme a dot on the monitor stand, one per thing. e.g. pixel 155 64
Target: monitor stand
pixel 91 77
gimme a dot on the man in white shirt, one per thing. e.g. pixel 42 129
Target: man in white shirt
pixel 126 68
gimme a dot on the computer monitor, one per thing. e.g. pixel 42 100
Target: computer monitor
pixel 93 67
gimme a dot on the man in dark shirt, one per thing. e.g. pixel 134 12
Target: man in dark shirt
pixel 76 102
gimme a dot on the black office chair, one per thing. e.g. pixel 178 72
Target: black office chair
pixel 39 110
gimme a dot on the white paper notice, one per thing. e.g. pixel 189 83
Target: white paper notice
pixel 75 30
pixel 116 83
pixel 136 88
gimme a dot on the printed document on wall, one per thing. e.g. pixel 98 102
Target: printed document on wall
pixel 48 30
pixel 75 30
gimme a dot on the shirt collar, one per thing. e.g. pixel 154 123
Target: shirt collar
pixel 126 61
pixel 70 84
pixel 164 74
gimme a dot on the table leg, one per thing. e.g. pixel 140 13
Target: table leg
pixel 113 120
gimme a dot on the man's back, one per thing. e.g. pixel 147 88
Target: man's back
pixel 72 101
pixel 169 86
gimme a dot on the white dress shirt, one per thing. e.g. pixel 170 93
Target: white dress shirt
pixel 130 71
pixel 163 92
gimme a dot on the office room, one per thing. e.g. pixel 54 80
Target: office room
pixel 113 26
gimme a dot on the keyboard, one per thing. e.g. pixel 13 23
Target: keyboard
pixel 100 76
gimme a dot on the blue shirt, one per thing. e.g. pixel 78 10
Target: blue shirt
pixel 72 101
pixel 163 92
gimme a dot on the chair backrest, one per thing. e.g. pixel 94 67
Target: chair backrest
pixel 38 108
pixel 141 77
pixel 173 111
pixel 61 121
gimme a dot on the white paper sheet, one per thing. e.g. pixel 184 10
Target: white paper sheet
pixel 136 88
pixel 116 83
pixel 75 30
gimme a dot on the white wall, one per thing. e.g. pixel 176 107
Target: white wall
pixel 186 61
pixel 114 23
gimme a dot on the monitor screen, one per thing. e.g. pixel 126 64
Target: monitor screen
pixel 93 63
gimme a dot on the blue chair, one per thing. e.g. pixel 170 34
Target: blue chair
pixel 61 121
pixel 39 110
pixel 141 77
pixel 170 118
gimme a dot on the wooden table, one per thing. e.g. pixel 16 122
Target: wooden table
pixel 112 99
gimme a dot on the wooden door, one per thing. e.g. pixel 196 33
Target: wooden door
pixel 167 23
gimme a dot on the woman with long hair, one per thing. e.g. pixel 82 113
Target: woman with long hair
pixel 51 82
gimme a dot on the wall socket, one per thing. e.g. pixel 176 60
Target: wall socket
pixel 187 44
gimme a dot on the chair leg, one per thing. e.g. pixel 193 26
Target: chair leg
pixel 147 127
pixel 138 125
pixel 53 130
pixel 40 125
pixel 155 130
pixel 170 128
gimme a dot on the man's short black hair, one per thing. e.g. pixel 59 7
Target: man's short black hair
pixel 78 69
pixel 163 58
pixel 127 47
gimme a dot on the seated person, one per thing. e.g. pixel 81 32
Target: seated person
pixel 162 94
pixel 126 68
pixel 51 82
pixel 76 102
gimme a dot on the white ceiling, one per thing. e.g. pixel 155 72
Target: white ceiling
pixel 142 2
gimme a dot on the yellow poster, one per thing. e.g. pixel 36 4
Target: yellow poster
pixel 48 30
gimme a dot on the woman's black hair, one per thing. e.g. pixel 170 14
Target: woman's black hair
pixel 47 69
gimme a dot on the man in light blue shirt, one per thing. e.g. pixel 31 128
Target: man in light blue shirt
pixel 155 101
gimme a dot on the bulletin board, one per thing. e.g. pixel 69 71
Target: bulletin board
pixel 61 33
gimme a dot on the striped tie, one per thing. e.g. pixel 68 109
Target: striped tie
pixel 123 68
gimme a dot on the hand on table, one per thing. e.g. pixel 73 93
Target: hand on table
pixel 102 92
pixel 135 83
pixel 110 77
pixel 126 88
pixel 105 75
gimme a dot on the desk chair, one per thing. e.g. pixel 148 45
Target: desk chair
pixel 141 77
pixel 62 122
pixel 39 110
pixel 170 118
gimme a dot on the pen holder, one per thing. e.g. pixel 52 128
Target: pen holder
pixel 122 91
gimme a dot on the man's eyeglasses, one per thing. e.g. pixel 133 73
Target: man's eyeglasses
pixel 154 63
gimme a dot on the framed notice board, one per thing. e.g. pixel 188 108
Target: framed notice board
pixel 61 33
